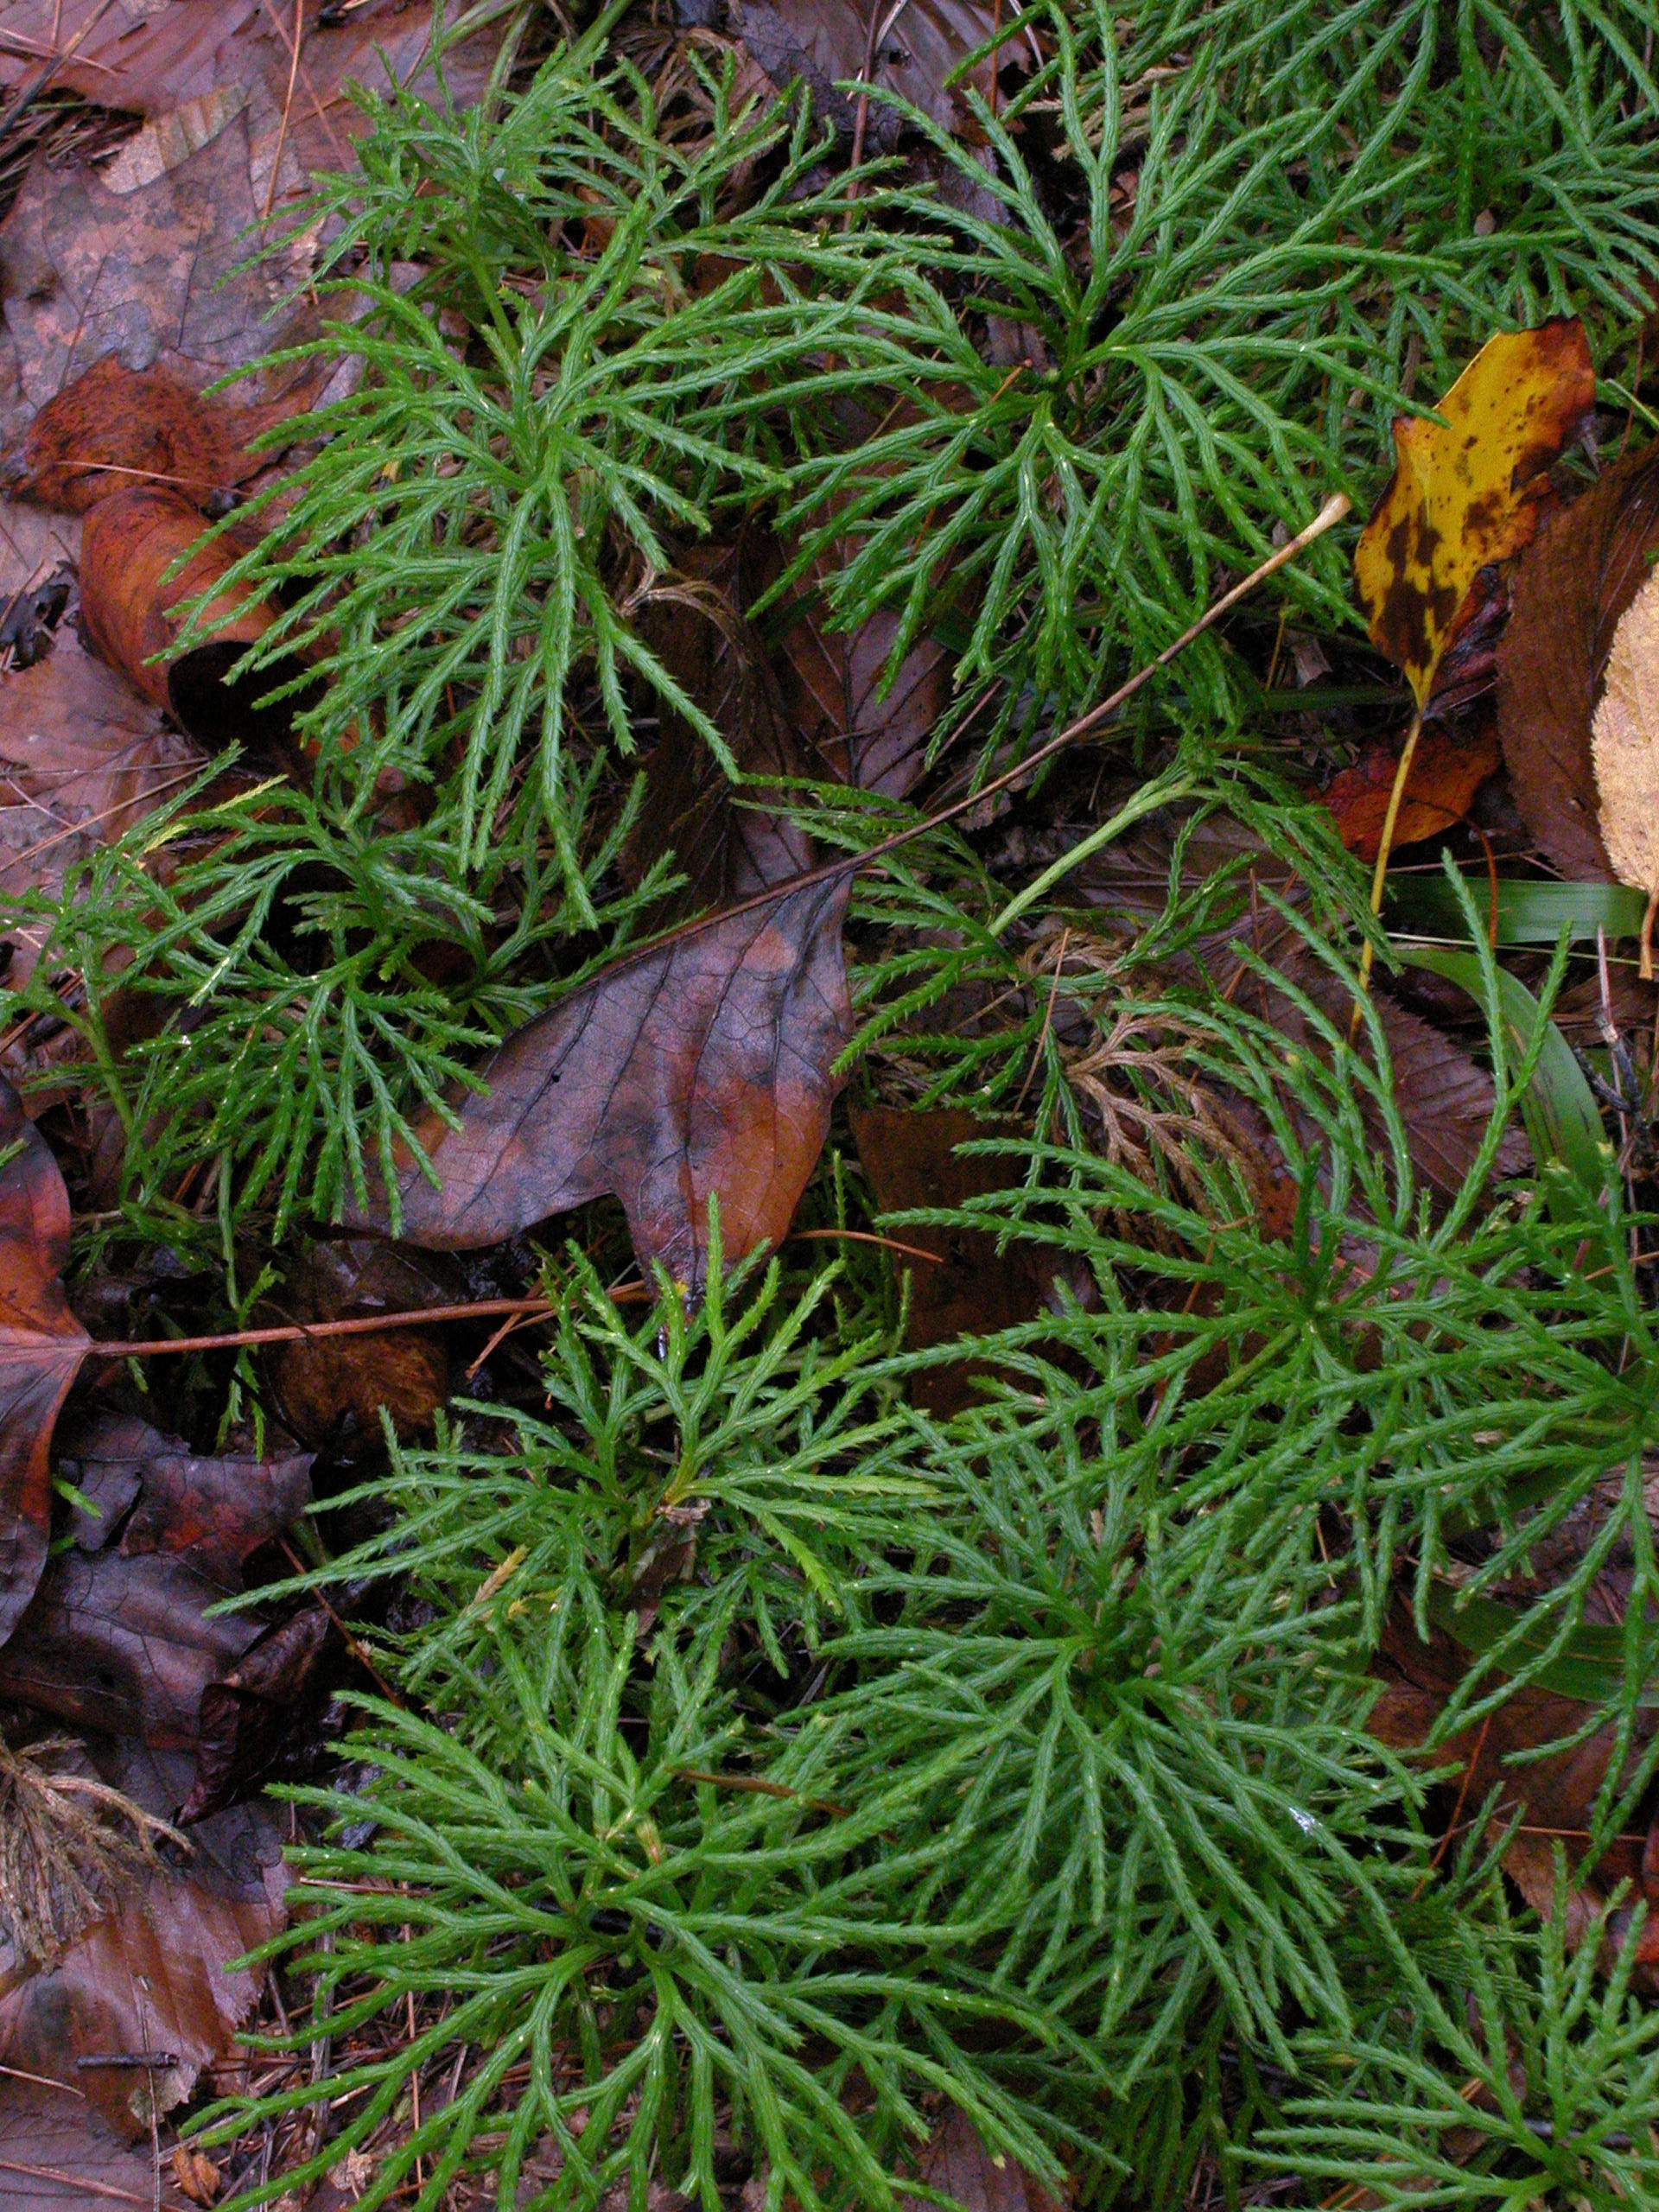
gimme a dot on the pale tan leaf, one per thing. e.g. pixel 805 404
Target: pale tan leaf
pixel 1624 748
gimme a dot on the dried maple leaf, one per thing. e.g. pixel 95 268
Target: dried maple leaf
pixel 697 1068
pixel 1464 491
pixel 41 1346
pixel 1571 586
pixel 1625 749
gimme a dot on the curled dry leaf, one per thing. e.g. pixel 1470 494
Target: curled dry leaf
pixel 1573 585
pixel 41 1346
pixel 115 425
pixel 1625 749
pixel 130 596
pixel 1466 491
pixel 698 1068
pixel 863 731
pixel 1445 776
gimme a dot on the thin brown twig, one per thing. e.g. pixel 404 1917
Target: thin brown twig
pixel 288 105
pixel 302 1332
pixel 352 1645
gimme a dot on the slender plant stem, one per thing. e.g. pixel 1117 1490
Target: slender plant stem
pixel 1380 873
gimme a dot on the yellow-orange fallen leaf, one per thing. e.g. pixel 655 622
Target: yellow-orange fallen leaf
pixel 1465 489
pixel 1624 747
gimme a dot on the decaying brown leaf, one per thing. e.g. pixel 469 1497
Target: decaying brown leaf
pixel 154 1973
pixel 727 843
pixel 1446 775
pixel 82 759
pixel 157 277
pixel 1585 566
pixel 327 1386
pixel 56 2157
pixel 1552 1796
pixel 116 425
pixel 697 1068
pixel 128 602
pixel 118 1636
pixel 1624 749
pixel 41 1346
pixel 958 2165
pixel 1465 490
pixel 863 731
pixel 971 1287
pixel 825 42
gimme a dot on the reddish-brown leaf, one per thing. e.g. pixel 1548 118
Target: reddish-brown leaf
pixel 824 43
pixel 970 1288
pixel 128 600
pixel 56 2157
pixel 698 1068
pixel 41 1346
pixel 864 732
pixel 1585 566
pixel 1446 774
pixel 116 425
pixel 727 843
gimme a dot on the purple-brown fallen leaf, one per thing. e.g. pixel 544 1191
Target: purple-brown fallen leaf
pixel 1581 573
pixel 41 1346
pixel 118 1637
pixel 698 1068
pixel 55 2157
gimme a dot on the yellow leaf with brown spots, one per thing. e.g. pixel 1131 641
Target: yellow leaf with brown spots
pixel 1466 489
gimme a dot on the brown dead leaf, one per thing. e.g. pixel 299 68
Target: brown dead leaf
pixel 1553 1795
pixel 1573 585
pixel 326 1386
pixel 82 759
pixel 972 1287
pixel 128 602
pixel 823 42
pixel 728 843
pixel 41 1346
pixel 57 2157
pixel 1445 776
pixel 873 737
pixel 1465 490
pixel 1625 750
pixel 157 277
pixel 958 2165
pixel 697 1068
pixel 153 1974
pixel 118 1637
pixel 115 424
